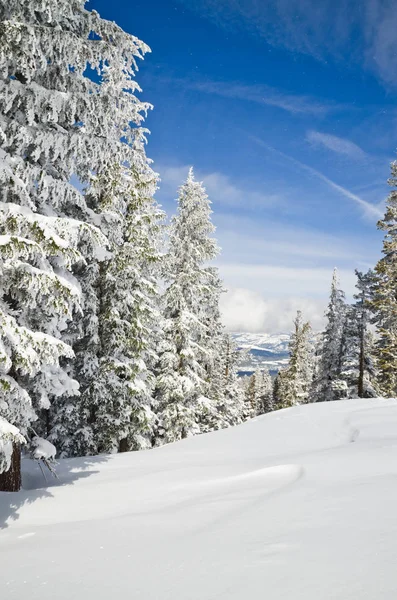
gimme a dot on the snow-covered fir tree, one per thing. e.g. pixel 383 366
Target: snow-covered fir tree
pixel 384 302
pixel 264 392
pixel 258 393
pixel 328 384
pixel 44 98
pixel 357 368
pixel 367 386
pixel 212 341
pixel 225 392
pixel 69 109
pixel 278 390
pixel 251 396
pixel 119 399
pixel 296 379
pixel 182 384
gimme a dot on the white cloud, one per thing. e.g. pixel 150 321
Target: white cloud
pixel 265 298
pixel 248 311
pixel 336 144
pixel 278 281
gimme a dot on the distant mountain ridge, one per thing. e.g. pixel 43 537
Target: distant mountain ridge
pixel 263 351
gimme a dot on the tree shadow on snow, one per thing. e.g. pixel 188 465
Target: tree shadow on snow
pixel 36 487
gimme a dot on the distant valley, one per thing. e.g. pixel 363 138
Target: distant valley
pixel 262 351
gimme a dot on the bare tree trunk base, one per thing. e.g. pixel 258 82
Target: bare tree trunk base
pixel 10 481
pixel 123 445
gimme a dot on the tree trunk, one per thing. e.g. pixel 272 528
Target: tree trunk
pixel 123 445
pixel 361 369
pixel 10 481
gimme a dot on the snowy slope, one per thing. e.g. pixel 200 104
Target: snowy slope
pixel 296 505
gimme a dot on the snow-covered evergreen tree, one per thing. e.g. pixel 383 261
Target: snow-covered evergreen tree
pixel 367 386
pixel 251 398
pixel 259 393
pixel 211 340
pixel 384 302
pixel 328 384
pixel 119 399
pixel 69 108
pixel 225 392
pixel 357 361
pixel 296 379
pixel 182 384
pixel 43 141
pixel 265 392
pixel 278 390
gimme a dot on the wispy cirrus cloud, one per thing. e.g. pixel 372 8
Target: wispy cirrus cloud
pixel 318 28
pixel 221 188
pixel 369 210
pixel 336 144
pixel 265 95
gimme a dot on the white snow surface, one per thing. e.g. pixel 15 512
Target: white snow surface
pixel 299 504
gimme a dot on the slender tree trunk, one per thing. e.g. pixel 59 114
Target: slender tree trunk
pixel 10 481
pixel 123 445
pixel 360 390
pixel 47 422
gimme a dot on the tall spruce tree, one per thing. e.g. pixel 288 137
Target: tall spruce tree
pixel 328 384
pixel 357 363
pixel 69 106
pixel 182 385
pixel 252 396
pixel 296 379
pixel 49 130
pixel 265 392
pixel 119 400
pixel 259 394
pixel 225 392
pixel 384 301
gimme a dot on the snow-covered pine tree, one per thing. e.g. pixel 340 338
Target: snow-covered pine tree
pixel 225 391
pixel 384 302
pixel 182 386
pixel 233 398
pixel 367 371
pixel 265 392
pixel 69 109
pixel 119 400
pixel 357 362
pixel 296 378
pixel 37 299
pixel 252 406
pixel 44 99
pixel 211 340
pixel 278 390
pixel 327 384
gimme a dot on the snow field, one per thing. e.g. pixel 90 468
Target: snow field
pixel 298 504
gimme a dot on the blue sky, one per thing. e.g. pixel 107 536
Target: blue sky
pixel 287 111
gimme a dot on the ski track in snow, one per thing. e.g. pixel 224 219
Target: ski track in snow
pixel 295 505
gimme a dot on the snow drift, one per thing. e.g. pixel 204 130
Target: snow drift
pixel 298 504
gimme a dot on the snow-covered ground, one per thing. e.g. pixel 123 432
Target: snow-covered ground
pixel 297 505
